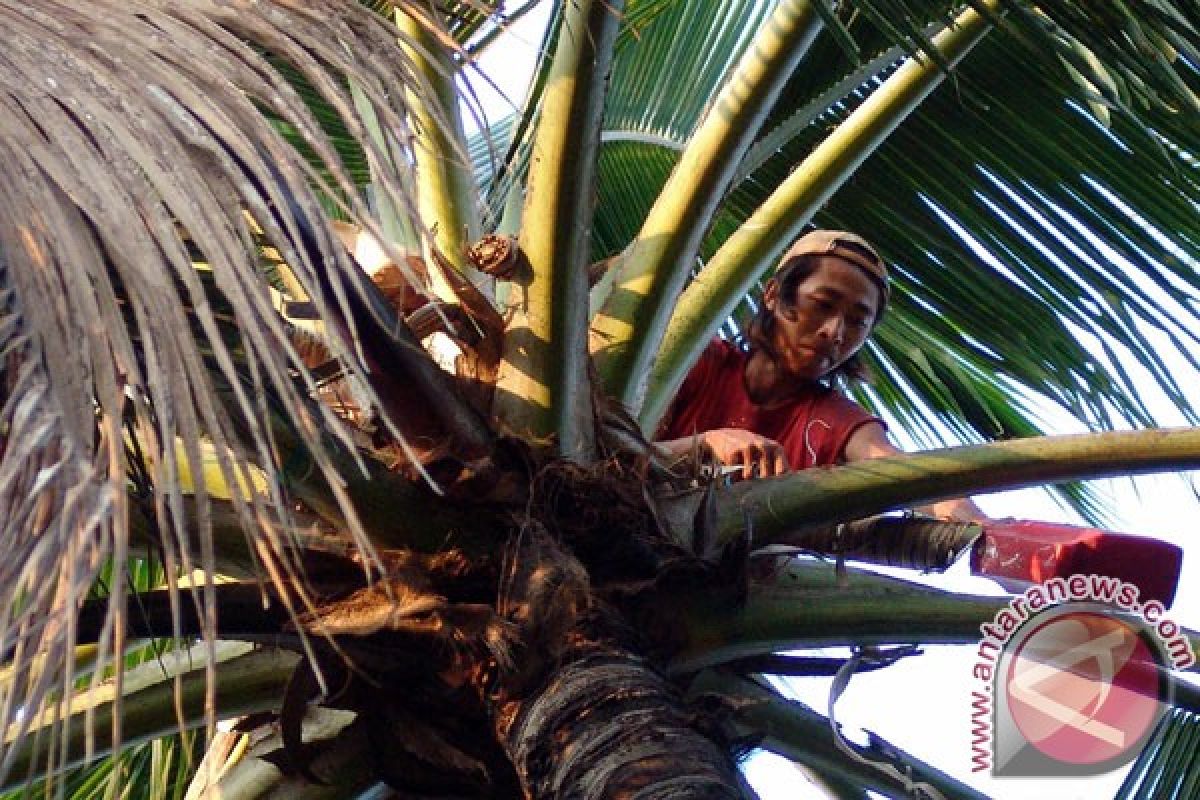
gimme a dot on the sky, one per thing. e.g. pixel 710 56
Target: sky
pixel 922 704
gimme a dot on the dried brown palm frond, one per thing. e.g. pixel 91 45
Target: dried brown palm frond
pixel 58 521
pixel 135 141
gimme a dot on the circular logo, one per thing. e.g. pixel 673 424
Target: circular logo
pixel 1084 688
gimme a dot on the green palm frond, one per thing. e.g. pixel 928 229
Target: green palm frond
pixel 955 355
pixel 703 40
pixel 699 40
pixel 799 733
pixel 1025 216
pixel 648 121
pixel 1167 765
pixel 156 770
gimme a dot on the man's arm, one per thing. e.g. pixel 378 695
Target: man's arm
pixel 870 441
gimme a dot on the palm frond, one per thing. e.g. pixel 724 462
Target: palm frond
pixel 145 700
pixel 156 770
pixel 1167 765
pixel 648 121
pixel 994 178
pixel 1049 222
pixel 543 387
pixel 653 34
pixel 136 139
pixel 447 200
pixel 799 733
pixel 776 507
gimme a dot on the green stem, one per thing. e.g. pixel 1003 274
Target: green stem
pixel 746 255
pixel 544 388
pixel 446 196
pixel 813 604
pixel 806 607
pixel 360 494
pixel 658 261
pixel 795 731
pixel 246 683
pixel 397 224
pixel 778 507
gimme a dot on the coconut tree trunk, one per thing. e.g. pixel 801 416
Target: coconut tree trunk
pixel 607 725
pixel 578 711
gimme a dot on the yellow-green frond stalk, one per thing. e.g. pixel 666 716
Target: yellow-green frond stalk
pixel 627 331
pixel 544 388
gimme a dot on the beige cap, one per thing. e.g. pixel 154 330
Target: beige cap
pixel 833 243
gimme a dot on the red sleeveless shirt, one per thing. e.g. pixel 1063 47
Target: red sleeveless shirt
pixel 813 428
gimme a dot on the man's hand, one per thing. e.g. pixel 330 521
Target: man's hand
pixel 758 456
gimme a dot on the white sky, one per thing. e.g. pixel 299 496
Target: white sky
pixel 922 704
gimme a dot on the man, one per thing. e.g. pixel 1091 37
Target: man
pixel 772 408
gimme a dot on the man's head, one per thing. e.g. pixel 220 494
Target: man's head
pixel 849 247
pixel 826 296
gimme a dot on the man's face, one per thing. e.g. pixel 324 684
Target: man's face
pixel 827 320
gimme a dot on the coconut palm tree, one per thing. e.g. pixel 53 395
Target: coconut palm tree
pixel 237 485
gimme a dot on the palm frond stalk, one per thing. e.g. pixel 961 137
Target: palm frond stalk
pixel 655 266
pixel 447 195
pixel 777 506
pixel 795 731
pixel 544 385
pixel 151 703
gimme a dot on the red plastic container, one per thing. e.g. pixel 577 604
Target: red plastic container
pixel 1017 554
